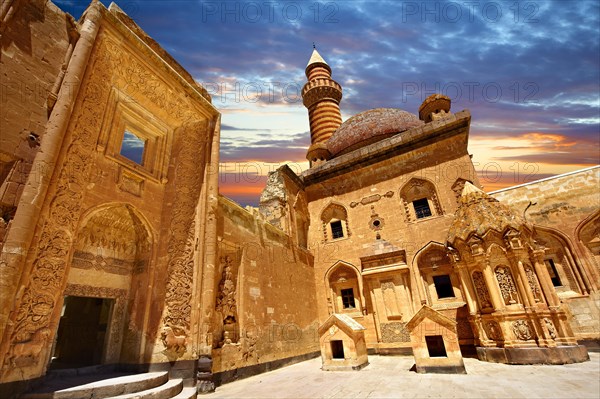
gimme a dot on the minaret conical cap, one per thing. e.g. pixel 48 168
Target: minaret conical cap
pixel 316 58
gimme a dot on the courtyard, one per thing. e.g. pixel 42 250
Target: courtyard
pixel 389 377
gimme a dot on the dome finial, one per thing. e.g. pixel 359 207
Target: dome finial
pixel 314 47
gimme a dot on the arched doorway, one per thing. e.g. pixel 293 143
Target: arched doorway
pixel 103 312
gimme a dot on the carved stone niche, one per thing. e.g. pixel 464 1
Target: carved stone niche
pixel 476 245
pixel 226 304
pixel 512 238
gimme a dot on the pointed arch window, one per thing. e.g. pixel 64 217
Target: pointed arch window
pixel 419 200
pixel 335 222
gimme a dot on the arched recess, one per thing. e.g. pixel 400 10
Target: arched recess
pixel 334 219
pixel 562 263
pixel 105 306
pixel 344 288
pixel 419 200
pixel 441 283
pixel 301 220
pixel 588 235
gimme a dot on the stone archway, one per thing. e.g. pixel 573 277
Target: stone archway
pixel 112 251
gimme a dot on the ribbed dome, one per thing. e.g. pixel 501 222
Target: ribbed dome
pixel 478 213
pixel 370 126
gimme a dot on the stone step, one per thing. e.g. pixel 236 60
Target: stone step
pixel 187 393
pixel 166 391
pixel 103 388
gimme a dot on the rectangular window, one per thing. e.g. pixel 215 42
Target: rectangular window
pixel 336 229
pixel 443 286
pixel 553 273
pixel 435 346
pixel 348 298
pixel 422 209
pixel 132 148
pixel 337 349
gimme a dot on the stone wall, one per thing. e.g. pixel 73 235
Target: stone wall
pixel 35 38
pixel 267 285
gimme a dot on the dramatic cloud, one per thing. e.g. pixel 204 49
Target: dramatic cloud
pixel 528 71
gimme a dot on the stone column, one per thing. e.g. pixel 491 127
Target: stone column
pixel 18 241
pixel 523 283
pixel 467 288
pixel 490 280
pixel 208 297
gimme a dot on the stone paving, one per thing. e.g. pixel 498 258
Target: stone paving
pixel 389 377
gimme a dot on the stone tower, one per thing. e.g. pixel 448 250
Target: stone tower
pixel 321 95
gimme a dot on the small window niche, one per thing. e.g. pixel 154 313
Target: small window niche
pixel 347 298
pixel 435 346
pixel 337 349
pixel 553 272
pixel 443 286
pixel 133 147
pixel 337 229
pixel 422 209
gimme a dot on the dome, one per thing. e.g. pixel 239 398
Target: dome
pixel 368 127
pixel 478 213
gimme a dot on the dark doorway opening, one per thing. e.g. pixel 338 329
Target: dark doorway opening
pixel 435 346
pixel 337 349
pixel 82 332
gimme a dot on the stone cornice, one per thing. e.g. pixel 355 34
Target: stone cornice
pixel 402 143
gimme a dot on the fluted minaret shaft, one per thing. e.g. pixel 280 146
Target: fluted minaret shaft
pixel 321 95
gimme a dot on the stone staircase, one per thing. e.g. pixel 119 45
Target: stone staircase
pixel 154 385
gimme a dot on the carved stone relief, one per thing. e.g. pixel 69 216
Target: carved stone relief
pixel 371 198
pixel 550 327
pixel 36 306
pixel 507 285
pixel 521 330
pixel 86 260
pixel 533 284
pixel 226 302
pixel 492 330
pixel 482 291
pixel 394 332
pixel 189 143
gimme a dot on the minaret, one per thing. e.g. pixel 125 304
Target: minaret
pixel 321 95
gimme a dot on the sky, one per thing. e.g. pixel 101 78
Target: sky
pixel 528 71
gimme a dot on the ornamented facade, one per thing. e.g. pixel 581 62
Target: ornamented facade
pixel 171 276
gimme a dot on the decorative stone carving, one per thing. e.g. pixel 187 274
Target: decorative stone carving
pixel 26 353
pixel 85 260
pixel 481 289
pixel 189 143
pixel 533 284
pixel 521 330
pixel 35 307
pixel 492 330
pixel 457 187
pixel 371 198
pixel 550 327
pixel 172 342
pixel 394 332
pixel 226 303
pixel 131 183
pixel 463 329
pixel 507 285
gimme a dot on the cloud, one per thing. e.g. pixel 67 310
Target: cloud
pixel 518 67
